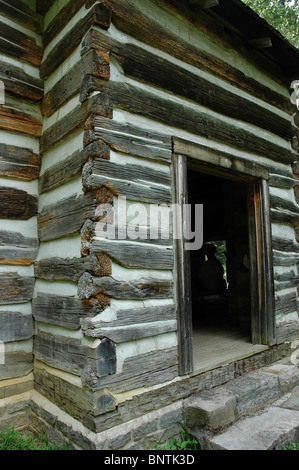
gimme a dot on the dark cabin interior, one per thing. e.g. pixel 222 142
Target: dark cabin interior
pixel 225 221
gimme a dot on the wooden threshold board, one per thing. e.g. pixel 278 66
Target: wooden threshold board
pixel 215 346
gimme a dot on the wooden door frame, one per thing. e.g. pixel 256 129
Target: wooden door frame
pixel 204 159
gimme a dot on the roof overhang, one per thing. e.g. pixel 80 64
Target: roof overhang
pixel 253 31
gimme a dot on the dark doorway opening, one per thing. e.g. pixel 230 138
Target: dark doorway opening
pixel 225 225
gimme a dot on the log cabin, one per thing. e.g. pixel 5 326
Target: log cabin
pixel 125 124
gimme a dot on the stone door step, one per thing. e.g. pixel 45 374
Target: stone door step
pixel 275 428
pixel 258 411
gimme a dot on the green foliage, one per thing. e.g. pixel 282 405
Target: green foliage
pixel 221 255
pixel 15 440
pixel 282 14
pixel 187 443
pixel 292 447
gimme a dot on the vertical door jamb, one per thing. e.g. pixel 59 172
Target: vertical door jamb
pixel 254 233
pixel 261 266
pixel 183 269
pixel 268 293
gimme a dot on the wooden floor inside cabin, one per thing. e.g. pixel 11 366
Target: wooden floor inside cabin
pixel 216 345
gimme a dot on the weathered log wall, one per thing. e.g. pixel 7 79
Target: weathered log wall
pixel 20 128
pixel 120 80
pixel 88 159
pixel 117 81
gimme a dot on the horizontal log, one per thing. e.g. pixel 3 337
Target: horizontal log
pixel 17 240
pixel 285 171
pixel 144 370
pixel 284 259
pixel 281 244
pixel 16 249
pixel 135 255
pixel 16 204
pixel 13 120
pixel 284 217
pixel 15 289
pixel 277 202
pixel 20 84
pixel 285 304
pixel 279 181
pixel 127 138
pixel 142 65
pixel 17 364
pixel 285 276
pixel 21 14
pixel 70 355
pixel 283 210
pixel 19 163
pixel 99 104
pixel 91 232
pixel 132 333
pixel 149 104
pixel 287 330
pixel 90 286
pixel 17 256
pixel 292 282
pixel 99 15
pixel 132 316
pixel 62 310
pixel 67 216
pixel 62 19
pixel 132 231
pixel 72 166
pixel 15 326
pixel 94 63
pixel 129 19
pixel 72 269
pixel 134 190
pixel 130 172
pixel 19 45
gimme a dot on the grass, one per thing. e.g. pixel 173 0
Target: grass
pixel 294 446
pixel 13 439
pixel 186 442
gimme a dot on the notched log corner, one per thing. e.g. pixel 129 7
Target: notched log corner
pixel 85 287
